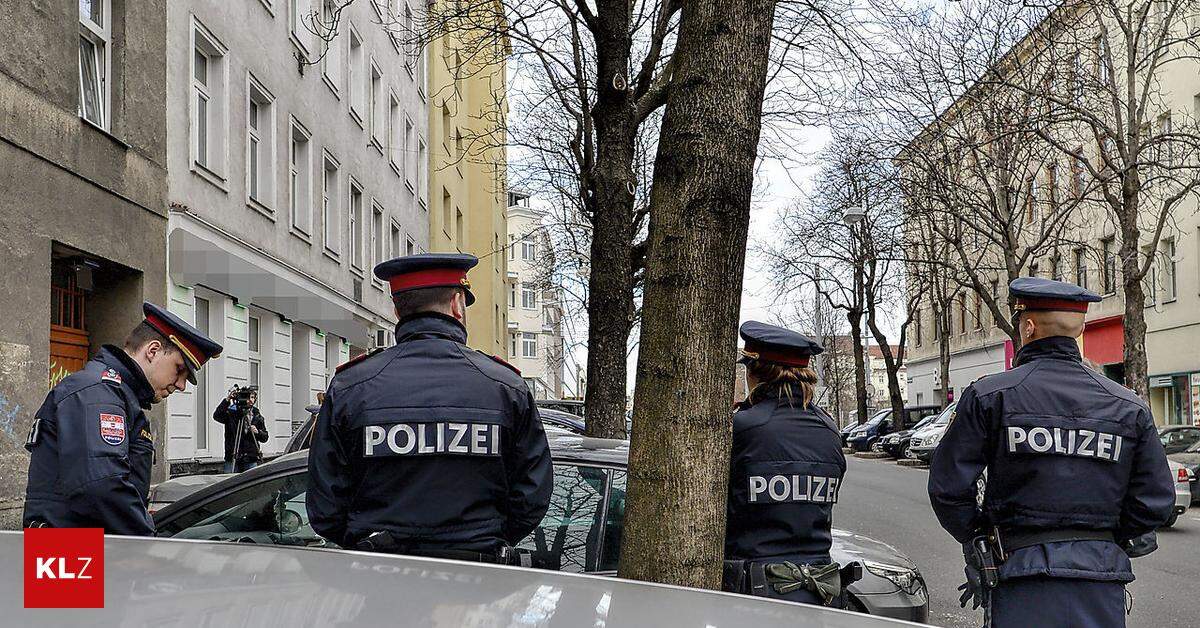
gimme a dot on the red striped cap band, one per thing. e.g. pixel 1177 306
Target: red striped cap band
pixel 1050 305
pixel 764 354
pixel 431 278
pixel 190 350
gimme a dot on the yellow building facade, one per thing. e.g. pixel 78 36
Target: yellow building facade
pixel 467 183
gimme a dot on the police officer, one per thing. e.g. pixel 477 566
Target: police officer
pixel 1075 471
pixel 428 447
pixel 785 471
pixel 90 443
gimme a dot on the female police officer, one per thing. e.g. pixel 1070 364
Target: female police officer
pixel 785 471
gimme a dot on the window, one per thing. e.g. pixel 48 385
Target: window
pixel 300 23
pixel 528 296
pixel 917 325
pixel 528 249
pixel 1108 278
pixel 355 232
pixel 420 77
pixel 1166 152
pixel 208 102
pixel 1078 170
pixel 410 247
pixel 201 411
pixel 329 205
pixel 996 300
pixel 273 511
pixel 512 299
pixel 410 35
pixel 260 145
pixel 1081 269
pixel 447 207
pixel 299 184
pixel 375 106
pixel 528 345
pixel 253 345
pixel 1056 268
pixel 410 156
pixel 978 312
pixel 422 184
pixel 394 249
pixel 512 345
pixel 377 241
pixel 1150 280
pixel 581 531
pixel 938 321
pixel 446 129
pixel 356 77
pixel 962 313
pixel 1168 264
pixel 95 60
pixel 1052 186
pixel 396 147
pixel 460 229
pixel 331 62
pixel 1033 270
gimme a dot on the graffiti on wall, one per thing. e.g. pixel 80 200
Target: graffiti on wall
pixel 8 416
pixel 58 373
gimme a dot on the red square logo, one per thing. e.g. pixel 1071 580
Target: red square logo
pixel 64 568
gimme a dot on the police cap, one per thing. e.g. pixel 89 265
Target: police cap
pixel 769 343
pixel 428 270
pixel 191 342
pixel 1030 294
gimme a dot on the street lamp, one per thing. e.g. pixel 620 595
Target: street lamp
pixel 853 215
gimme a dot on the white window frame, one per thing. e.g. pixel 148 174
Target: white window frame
pixel 100 37
pixel 356 69
pixel 355 216
pixel 395 240
pixel 528 339
pixel 299 34
pixel 378 218
pixel 214 91
pixel 410 56
pixel 422 183
pixel 410 247
pixel 528 249
pixel 300 180
pixel 254 357
pixel 330 215
pixel 265 136
pixel 529 298
pixel 396 148
pixel 332 57
pixel 375 110
pixel 1170 269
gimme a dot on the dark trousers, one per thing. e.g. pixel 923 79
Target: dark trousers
pixel 1053 602
pixel 242 465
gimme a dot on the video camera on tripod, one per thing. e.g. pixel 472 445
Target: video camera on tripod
pixel 240 405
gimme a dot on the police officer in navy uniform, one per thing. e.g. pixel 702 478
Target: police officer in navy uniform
pixel 1075 474
pixel 428 447
pixel 785 471
pixel 91 444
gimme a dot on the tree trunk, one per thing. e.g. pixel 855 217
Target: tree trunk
pixel 940 319
pixel 703 177
pixel 860 364
pixel 1137 377
pixel 610 280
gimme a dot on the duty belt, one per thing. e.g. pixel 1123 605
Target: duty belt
pixel 1009 541
pixel 385 543
pixel 760 577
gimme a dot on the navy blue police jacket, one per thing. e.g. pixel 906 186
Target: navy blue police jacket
pixel 1064 447
pixel 436 443
pixel 91 450
pixel 786 468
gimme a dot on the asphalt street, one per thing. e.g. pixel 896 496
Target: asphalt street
pixel 889 503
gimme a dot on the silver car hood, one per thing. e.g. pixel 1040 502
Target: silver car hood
pixel 191 583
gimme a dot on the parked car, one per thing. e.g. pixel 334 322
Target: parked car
pixel 864 437
pixel 1177 438
pixel 924 441
pixel 1190 459
pixel 896 443
pixel 570 406
pixel 850 427
pixel 567 421
pixel 580 533
pixel 1183 491
pixel 165 582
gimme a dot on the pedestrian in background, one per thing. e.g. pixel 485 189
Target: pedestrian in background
pixel 1076 475
pixel 785 471
pixel 429 448
pixel 91 444
pixel 245 428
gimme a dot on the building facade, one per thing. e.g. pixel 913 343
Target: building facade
pixel 877 370
pixel 535 333
pixel 467 160
pixel 297 162
pixel 83 210
pixel 1087 254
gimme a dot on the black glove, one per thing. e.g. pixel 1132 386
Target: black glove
pixel 973 589
pixel 1141 545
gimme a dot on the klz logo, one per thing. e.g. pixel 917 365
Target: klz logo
pixel 64 568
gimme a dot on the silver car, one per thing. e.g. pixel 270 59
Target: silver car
pixel 157 582
pixel 580 533
pixel 1183 490
pixel 925 441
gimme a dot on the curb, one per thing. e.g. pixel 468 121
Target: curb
pixel 847 450
pixel 871 455
pixel 909 462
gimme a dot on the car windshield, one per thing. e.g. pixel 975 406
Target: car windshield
pixel 944 417
pixel 1194 449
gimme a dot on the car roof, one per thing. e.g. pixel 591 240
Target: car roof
pixel 187 582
